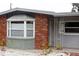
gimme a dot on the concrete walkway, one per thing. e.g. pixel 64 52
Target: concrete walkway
pixel 34 52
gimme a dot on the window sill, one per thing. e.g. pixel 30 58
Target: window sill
pixel 20 38
pixel 71 33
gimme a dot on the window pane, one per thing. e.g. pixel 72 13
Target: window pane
pixel 16 33
pixel 72 30
pixel 72 24
pixel 17 25
pixel 72 27
pixel 29 33
pixel 29 25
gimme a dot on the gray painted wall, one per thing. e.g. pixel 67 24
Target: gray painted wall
pixel 70 41
pixel 20 43
pixel 56 32
pixel 51 32
pixel 67 40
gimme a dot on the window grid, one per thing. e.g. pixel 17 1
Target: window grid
pixel 25 29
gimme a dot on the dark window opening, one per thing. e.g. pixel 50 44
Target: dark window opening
pixel 17 22
pixel 72 30
pixel 29 22
pixel 72 24
pixel 72 27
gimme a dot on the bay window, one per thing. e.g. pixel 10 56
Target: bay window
pixel 21 29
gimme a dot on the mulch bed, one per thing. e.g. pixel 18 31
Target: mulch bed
pixel 74 54
pixel 71 53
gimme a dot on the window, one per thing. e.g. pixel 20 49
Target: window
pixel 29 28
pixel 17 28
pixel 71 27
pixel 22 29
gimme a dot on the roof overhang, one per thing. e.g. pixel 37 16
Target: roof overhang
pixel 66 14
pixel 41 12
pixel 27 10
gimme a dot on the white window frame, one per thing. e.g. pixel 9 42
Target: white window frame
pixel 25 33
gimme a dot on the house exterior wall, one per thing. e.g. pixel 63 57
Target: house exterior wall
pixel 66 40
pixel 42 35
pixel 3 30
pixel 41 31
pixel 70 41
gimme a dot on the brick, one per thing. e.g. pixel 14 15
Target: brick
pixel 3 29
pixel 41 31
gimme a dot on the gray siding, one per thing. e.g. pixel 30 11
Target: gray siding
pixel 56 32
pixel 57 36
pixel 69 41
pixel 20 43
pixel 51 32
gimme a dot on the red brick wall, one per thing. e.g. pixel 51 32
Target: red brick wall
pixel 41 31
pixel 3 25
